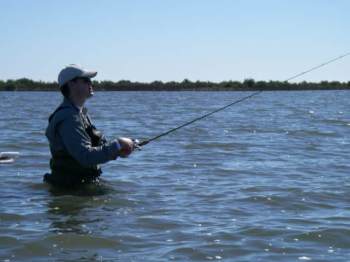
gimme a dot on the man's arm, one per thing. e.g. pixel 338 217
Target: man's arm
pixel 77 143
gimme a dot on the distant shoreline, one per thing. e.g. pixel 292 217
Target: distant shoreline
pixel 25 84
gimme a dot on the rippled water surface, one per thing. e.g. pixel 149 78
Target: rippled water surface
pixel 266 180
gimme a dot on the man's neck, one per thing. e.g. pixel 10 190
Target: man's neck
pixel 77 102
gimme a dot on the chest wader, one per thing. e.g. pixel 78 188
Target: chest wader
pixel 69 173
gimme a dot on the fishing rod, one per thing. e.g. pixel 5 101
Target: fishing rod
pixel 145 142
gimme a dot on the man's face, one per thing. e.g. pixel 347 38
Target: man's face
pixel 82 88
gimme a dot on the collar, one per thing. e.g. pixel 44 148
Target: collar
pixel 80 109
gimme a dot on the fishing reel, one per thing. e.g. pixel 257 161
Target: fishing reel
pixel 136 144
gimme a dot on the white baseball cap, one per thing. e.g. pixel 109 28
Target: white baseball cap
pixel 73 71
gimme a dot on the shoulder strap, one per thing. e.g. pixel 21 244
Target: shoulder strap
pixel 89 120
pixel 58 109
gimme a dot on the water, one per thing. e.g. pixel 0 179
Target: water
pixel 266 180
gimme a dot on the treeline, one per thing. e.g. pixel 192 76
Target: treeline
pixel 25 84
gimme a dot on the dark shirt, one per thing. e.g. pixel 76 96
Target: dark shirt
pixel 67 132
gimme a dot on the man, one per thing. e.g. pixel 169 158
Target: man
pixel 76 146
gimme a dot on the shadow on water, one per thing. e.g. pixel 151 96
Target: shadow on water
pixel 72 211
pixel 81 225
pixel 66 213
pixel 95 189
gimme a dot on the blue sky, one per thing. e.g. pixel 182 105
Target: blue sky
pixel 147 40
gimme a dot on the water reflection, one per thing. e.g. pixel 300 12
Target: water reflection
pixel 68 210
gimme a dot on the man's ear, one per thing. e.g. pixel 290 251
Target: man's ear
pixel 71 84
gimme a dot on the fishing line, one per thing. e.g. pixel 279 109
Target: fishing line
pixel 145 142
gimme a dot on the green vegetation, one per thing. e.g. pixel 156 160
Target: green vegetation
pixel 25 84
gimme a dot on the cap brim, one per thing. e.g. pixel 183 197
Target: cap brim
pixel 89 74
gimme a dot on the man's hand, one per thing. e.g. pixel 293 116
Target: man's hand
pixel 127 146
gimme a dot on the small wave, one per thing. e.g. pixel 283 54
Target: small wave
pixel 311 133
pixel 158 223
pixel 336 237
pixel 339 122
pixel 217 145
pixel 11 217
pixel 186 253
pixel 71 240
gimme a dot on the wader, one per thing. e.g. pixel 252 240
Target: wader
pixel 67 172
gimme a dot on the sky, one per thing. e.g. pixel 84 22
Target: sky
pixel 173 40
